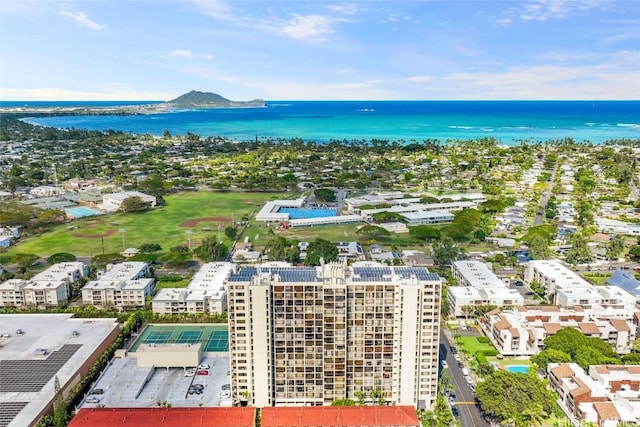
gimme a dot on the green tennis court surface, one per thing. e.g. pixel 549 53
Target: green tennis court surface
pixel 214 338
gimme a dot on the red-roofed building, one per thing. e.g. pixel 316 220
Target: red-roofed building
pixel 165 417
pixel 340 416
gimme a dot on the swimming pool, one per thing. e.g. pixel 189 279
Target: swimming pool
pixel 299 213
pixel 80 211
pixel 518 369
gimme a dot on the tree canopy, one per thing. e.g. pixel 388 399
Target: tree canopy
pixel 321 248
pixel 325 195
pixel 60 257
pixel 133 204
pixel 515 397
pixel 583 350
pixel 212 250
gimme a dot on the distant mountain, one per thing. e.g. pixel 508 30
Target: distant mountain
pixel 196 99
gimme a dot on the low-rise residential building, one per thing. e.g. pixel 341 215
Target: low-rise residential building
pixel 569 289
pixel 608 396
pixel 614 226
pixel 478 286
pixel 521 332
pixel 123 285
pixel 46 289
pixel 551 274
pixel 112 202
pixel 205 293
pixel 626 281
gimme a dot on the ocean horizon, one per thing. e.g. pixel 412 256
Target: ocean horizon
pixel 510 122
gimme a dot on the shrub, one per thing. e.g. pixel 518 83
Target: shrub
pixel 490 352
pixel 483 340
pixel 481 358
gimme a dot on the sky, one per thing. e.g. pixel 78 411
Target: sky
pixel 320 50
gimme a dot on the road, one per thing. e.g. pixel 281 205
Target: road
pixel 469 414
pixel 544 199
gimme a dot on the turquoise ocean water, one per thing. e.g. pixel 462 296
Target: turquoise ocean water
pixel 511 122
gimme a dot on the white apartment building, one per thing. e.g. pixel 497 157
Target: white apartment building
pixel 123 285
pixel 45 289
pixel 478 286
pixel 522 332
pixel 607 396
pixel 303 336
pixel 569 289
pixel 205 293
pixel 553 275
pixel 612 300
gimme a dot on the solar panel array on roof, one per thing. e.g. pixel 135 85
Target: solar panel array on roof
pixel 372 274
pixel 32 375
pixel 295 274
pixel 420 272
pixel 9 410
pixel 243 275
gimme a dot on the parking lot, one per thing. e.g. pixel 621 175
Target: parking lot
pixel 124 384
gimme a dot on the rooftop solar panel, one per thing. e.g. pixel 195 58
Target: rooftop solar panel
pixel 31 375
pixel 9 410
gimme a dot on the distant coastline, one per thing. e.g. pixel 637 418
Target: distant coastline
pixel 510 122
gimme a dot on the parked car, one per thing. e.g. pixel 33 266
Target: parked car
pixel 189 372
pixel 455 412
pixel 444 364
pixel 92 399
pixel 224 395
pixel 204 366
pixel 202 372
pixel 456 357
pixel 97 391
pixel 226 387
pixel 468 379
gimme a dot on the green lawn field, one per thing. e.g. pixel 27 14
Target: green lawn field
pixel 162 225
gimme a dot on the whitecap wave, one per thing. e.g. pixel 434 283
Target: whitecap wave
pixel 461 127
pixel 628 125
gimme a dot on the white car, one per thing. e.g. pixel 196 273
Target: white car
pixel 444 364
pixel 468 379
pixel 457 357
pixel 203 366
pixel 92 399
pixel 189 372
pixel 224 395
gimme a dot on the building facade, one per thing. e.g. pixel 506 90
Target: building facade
pixel 521 332
pixel 205 293
pixel 46 289
pixel 123 285
pixel 332 332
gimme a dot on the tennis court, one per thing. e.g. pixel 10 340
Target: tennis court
pixel 218 341
pixel 214 337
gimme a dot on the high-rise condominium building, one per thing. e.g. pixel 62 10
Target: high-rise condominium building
pixel 311 335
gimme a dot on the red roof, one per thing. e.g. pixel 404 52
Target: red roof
pixel 337 416
pixel 166 417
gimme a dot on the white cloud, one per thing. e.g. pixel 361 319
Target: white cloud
pixel 186 54
pixel 544 10
pixel 82 19
pixel 612 80
pixel 420 79
pixel 113 92
pixel 346 8
pixel 181 53
pixel 308 27
pixel 218 9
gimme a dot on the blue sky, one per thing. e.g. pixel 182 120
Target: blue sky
pixel 298 50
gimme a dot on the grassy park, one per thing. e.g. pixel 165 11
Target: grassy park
pixel 164 225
